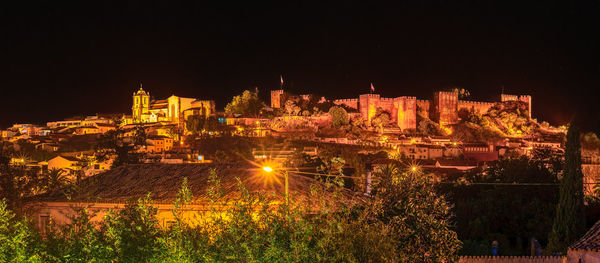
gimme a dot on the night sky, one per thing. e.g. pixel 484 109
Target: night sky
pixel 62 59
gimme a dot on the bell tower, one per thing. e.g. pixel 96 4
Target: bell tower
pixel 141 105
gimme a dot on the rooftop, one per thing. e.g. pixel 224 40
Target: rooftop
pixel 163 181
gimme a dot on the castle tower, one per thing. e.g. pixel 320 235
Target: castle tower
pixel 276 98
pixel 407 112
pixel 141 105
pixel 367 106
pixel 445 107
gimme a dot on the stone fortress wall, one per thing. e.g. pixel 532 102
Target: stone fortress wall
pixel 442 108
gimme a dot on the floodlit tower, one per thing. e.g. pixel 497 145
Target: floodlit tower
pixel 141 105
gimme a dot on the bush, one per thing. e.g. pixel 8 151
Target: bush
pixel 408 223
pixel 339 116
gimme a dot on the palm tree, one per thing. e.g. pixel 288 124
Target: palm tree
pixel 55 178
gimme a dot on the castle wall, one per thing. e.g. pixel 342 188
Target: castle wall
pixel 276 98
pixel 423 106
pixel 387 105
pixel 406 114
pixel 368 104
pixel 351 103
pixel 402 110
pixel 445 107
pixel 523 98
pixel 477 106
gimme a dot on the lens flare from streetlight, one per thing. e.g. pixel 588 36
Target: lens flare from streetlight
pixel 267 169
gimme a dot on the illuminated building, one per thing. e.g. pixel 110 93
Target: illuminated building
pixel 443 108
pixel 174 109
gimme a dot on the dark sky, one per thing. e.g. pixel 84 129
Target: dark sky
pixel 62 59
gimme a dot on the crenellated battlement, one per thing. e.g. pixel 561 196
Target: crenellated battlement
pixel 407 97
pixel 352 103
pixel 443 107
pixel 475 103
pixel 523 98
pixel 345 100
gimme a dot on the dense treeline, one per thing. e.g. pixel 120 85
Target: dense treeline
pixel 511 201
pixel 404 221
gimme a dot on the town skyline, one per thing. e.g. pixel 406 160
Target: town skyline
pixel 66 63
pixel 357 131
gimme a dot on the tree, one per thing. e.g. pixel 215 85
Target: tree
pixel 132 232
pixel 462 93
pixel 246 104
pixel 419 217
pixel 139 137
pixel 569 222
pixel 17 239
pixel 480 206
pixel 590 141
pixel 55 178
pixel 291 108
pixel 381 119
pixel 339 116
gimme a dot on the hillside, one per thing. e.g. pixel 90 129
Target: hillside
pixel 508 119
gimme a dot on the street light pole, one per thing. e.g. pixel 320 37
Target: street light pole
pixel 268 169
pixel 287 191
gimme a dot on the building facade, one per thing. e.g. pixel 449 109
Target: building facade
pixel 174 109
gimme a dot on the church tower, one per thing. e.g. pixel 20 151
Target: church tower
pixel 141 105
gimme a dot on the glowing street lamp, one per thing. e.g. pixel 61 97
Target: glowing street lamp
pixel 269 169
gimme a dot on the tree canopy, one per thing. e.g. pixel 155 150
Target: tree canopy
pixel 569 222
pixel 339 116
pixel 246 104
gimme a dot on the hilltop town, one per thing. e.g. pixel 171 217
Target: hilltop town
pixel 445 133
pixel 478 155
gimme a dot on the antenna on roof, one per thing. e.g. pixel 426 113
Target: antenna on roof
pixel 502 89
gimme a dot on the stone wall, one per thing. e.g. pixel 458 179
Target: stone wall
pixel 423 107
pixel 406 114
pixel 276 98
pixel 523 98
pixel 477 106
pixel 445 107
pixel 350 103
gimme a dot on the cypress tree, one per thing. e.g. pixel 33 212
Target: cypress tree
pixel 569 221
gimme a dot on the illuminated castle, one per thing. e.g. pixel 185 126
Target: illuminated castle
pixel 174 109
pixel 443 108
